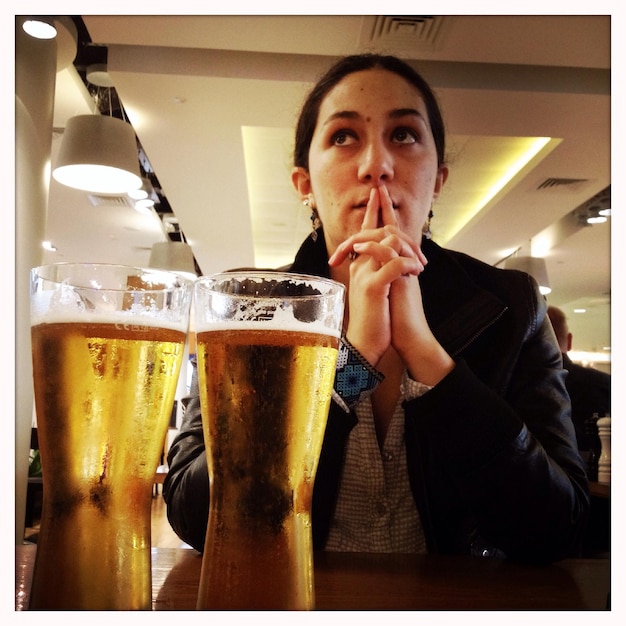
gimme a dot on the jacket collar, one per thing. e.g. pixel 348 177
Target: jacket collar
pixel 457 308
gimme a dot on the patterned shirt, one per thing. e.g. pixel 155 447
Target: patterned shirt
pixel 375 509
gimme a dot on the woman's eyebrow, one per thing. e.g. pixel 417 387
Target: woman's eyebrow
pixel 404 112
pixel 342 115
pixel 353 115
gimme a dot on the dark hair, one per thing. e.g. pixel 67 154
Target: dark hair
pixel 357 63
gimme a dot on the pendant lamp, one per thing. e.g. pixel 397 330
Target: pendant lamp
pixel 535 266
pixel 174 256
pixel 98 154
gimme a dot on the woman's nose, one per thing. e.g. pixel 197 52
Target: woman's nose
pixel 376 163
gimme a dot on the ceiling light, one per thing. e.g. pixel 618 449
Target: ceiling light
pixel 144 206
pixel 48 245
pixel 145 191
pixel 138 194
pixel 40 27
pixel 98 74
pixel 535 266
pixel 98 154
pixel 596 219
pixel 596 210
pixel 144 202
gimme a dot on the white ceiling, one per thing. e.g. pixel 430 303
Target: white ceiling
pixel 213 100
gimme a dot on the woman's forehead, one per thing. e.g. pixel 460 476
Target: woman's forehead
pixel 373 87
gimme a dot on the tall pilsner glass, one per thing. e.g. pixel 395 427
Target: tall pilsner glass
pixel 107 344
pixel 267 350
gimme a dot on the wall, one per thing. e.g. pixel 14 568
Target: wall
pixel 35 73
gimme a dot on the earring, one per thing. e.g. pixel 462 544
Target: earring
pixel 427 232
pixel 315 218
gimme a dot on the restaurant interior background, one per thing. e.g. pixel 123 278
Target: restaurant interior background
pixel 213 100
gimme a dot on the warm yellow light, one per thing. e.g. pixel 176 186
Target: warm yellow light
pixel 541 245
pixel 519 160
pixel 487 167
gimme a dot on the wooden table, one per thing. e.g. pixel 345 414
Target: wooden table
pixel 600 490
pixel 387 582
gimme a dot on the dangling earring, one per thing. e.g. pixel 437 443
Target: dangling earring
pixel 315 218
pixel 427 232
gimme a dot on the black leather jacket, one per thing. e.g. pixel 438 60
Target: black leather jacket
pixel 491 451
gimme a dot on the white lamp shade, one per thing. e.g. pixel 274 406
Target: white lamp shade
pixel 535 266
pixel 98 154
pixel 174 256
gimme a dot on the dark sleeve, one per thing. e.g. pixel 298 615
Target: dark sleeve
pixel 186 486
pixel 510 459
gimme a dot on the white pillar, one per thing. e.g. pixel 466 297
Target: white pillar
pixel 35 77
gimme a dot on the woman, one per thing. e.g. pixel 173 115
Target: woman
pixel 457 436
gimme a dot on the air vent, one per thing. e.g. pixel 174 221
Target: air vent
pixel 402 32
pixel 573 184
pixel 100 200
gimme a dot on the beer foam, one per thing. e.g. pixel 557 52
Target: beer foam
pixel 67 306
pixel 293 326
pixel 285 302
pixel 259 316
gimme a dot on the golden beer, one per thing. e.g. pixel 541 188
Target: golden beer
pixel 107 346
pixel 265 395
pixel 104 394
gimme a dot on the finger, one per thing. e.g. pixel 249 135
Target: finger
pixel 370 218
pixel 421 256
pixel 403 243
pixel 386 252
pixel 388 215
pixel 400 267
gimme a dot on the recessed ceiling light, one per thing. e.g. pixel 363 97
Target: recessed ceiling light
pixel 40 27
pixel 596 219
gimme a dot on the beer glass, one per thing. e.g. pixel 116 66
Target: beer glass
pixel 267 351
pixel 107 348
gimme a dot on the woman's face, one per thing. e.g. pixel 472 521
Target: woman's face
pixel 372 130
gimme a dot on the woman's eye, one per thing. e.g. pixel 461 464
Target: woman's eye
pixel 404 135
pixel 342 137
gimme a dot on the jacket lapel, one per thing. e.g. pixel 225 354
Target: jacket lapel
pixel 458 310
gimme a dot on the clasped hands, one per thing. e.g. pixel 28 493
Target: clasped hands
pixel 384 297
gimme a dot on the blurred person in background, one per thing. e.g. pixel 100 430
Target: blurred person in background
pixel 589 388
